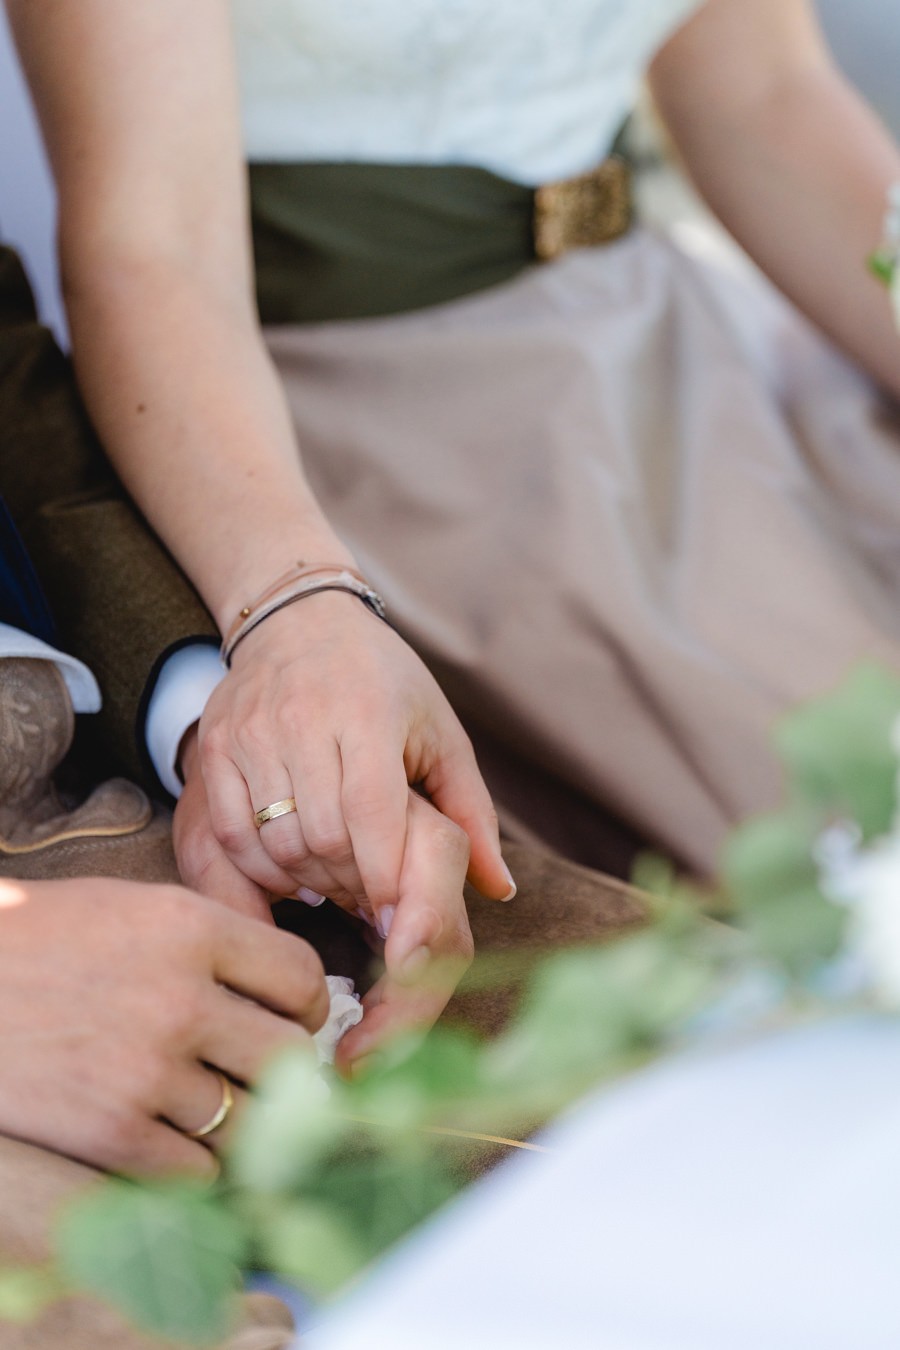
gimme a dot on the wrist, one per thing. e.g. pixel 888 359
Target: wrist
pixel 300 582
pixel 261 567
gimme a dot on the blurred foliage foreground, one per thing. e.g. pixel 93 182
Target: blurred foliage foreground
pixel 322 1180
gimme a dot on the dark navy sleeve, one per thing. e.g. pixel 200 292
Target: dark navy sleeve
pixel 22 602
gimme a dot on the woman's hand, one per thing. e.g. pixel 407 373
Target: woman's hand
pixel 313 710
pixel 118 1002
pixel 326 704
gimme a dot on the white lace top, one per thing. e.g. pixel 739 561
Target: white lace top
pixel 533 89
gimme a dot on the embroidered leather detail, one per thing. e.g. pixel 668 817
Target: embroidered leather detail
pixel 36 728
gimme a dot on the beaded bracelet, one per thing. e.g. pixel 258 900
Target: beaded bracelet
pixel 302 580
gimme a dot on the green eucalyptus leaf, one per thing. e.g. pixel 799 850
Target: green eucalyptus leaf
pixel 883 265
pixel 312 1244
pixel 770 870
pixel 406 1093
pixel 654 874
pixel 382 1195
pixel 326 1182
pixel 838 750
pixel 289 1125
pixel 166 1256
pixel 592 1012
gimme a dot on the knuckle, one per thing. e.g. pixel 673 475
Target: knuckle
pixel 491 817
pixel 180 1017
pixel 197 854
pixel 214 743
pixel 195 914
pixel 233 835
pixel 156 1077
pixel 329 841
pixel 463 946
pixel 294 718
pixel 310 971
pixel 204 874
pixel 286 850
pixel 308 990
pixel 464 746
pixel 363 800
pixel 203 1165
pixel 119 1136
pixel 449 841
pixel 253 738
pixel 176 910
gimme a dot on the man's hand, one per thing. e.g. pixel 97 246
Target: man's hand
pixel 203 863
pixel 118 1001
pixel 429 945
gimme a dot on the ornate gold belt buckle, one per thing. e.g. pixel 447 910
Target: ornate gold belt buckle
pixel 594 208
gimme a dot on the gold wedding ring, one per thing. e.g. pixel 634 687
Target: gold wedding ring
pixel 282 808
pixel 221 1114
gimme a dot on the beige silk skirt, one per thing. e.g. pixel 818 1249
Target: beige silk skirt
pixel 630 509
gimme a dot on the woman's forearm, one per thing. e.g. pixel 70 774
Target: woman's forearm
pixel 140 112
pixel 800 176
pixel 180 386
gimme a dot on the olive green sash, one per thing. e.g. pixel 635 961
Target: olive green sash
pixel 350 241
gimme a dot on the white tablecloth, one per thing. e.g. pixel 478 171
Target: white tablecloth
pixel 747 1201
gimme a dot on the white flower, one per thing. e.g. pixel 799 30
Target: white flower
pixel 867 882
pixel 875 938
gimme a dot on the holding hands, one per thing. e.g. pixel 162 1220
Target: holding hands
pixel 324 703
pixel 328 708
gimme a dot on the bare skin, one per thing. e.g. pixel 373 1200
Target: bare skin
pixel 139 107
pixel 429 943
pixel 117 1000
pixel 790 159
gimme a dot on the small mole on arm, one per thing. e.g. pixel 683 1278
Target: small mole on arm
pixel 142 407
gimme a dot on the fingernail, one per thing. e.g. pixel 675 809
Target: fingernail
pixel 366 917
pixel 384 920
pixel 413 965
pixel 311 898
pixel 513 888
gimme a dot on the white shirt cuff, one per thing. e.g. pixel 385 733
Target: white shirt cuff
pixel 83 688
pixel 182 689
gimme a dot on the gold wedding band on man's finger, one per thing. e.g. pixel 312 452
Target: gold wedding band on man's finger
pixel 286 807
pixel 220 1115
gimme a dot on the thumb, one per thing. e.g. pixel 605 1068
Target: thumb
pixel 457 789
pixel 202 862
pixel 220 880
pixel 206 868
